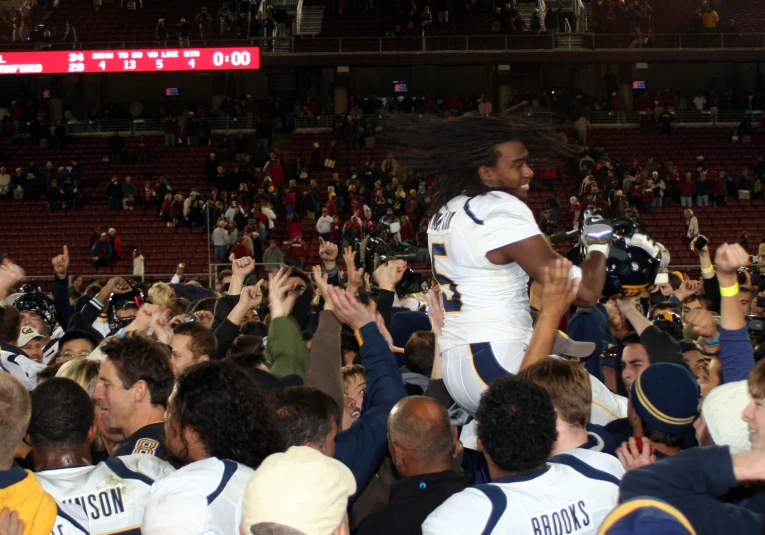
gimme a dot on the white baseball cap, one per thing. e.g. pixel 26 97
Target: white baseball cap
pixel 300 488
pixel 27 335
pixel 722 409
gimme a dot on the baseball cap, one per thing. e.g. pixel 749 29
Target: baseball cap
pixel 645 515
pixel 300 488
pixel 404 324
pixel 565 346
pixel 27 335
pixel 687 345
pixel 722 410
pixel 666 397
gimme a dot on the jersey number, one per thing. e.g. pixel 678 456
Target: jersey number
pixel 146 446
pixel 452 304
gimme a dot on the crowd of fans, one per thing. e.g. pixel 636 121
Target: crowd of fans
pixel 610 16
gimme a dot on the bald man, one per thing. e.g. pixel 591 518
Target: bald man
pixel 422 443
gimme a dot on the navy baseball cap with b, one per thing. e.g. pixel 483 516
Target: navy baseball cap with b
pixel 666 397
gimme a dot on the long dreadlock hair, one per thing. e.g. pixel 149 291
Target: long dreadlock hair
pixel 453 150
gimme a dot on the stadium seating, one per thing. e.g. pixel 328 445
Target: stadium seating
pixel 162 247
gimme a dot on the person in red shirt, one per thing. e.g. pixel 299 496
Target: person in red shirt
pixel 687 189
pixel 576 211
pixel 276 171
pixel 116 243
pixel 296 227
pixel 407 230
pixel 331 206
pixel 717 187
pixel 336 231
pixel 297 252
pixel 290 200
pixel 240 250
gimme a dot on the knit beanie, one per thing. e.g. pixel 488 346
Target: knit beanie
pixel 666 396
pixel 642 515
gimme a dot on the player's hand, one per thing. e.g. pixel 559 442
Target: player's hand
pixel 703 323
pixel 632 456
pixel 242 267
pixel 61 263
pixel 730 257
pixel 282 297
pixel 435 310
pixel 355 276
pixel 10 523
pixel 10 275
pixel 688 288
pixel 161 327
pixel 389 274
pixel 348 309
pixel 558 289
pixel 328 251
pixel 179 269
pixel 320 280
pixel 596 233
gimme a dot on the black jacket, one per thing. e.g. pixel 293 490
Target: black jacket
pixel 411 501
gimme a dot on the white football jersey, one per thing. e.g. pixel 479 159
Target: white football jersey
pixel 113 494
pixel 606 406
pixel 204 497
pixel 70 520
pixel 594 459
pixel 483 302
pixel 20 366
pixel 560 499
pixel 51 348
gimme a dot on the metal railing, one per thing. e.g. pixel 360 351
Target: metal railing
pixel 298 17
pixel 597 118
pixel 434 44
pixel 141 126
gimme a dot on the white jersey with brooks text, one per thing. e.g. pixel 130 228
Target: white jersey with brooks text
pixel 112 494
pixel 559 500
pixel 483 302
pixel 202 498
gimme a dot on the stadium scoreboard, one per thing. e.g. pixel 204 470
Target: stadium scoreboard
pixel 135 60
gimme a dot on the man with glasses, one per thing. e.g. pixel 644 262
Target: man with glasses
pixel 77 344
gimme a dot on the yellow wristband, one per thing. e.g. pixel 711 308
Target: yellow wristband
pixel 729 291
pixel 710 269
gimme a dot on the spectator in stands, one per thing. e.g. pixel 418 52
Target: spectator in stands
pixel 114 194
pixel 443 10
pixel 272 256
pixel 536 23
pixel 116 144
pixel 101 251
pixel 297 251
pixel 161 34
pixel 70 35
pixel 203 21
pixel 170 131
pixel 744 185
pixel 220 242
pixel 184 29
pixel 691 225
pixel 5 183
pixel 116 244
pixel 323 225
pixel 129 192
pixel 703 189
pixel 426 21
pixel 54 196
pixel 687 190
pixel 710 18
pixel 281 18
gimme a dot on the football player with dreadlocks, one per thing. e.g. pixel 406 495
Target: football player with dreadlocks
pixel 485 243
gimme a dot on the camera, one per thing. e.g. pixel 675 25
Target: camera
pixel 755 325
pixel 191 319
pixel 381 246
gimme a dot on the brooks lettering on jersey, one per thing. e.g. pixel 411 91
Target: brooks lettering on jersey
pixel 106 504
pixel 567 520
pixel 441 221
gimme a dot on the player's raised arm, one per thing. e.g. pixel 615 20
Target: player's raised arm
pixel 534 253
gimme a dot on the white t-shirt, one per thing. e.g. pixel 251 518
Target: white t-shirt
pixel 112 494
pixel 483 302
pixel 204 497
pixel 559 499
